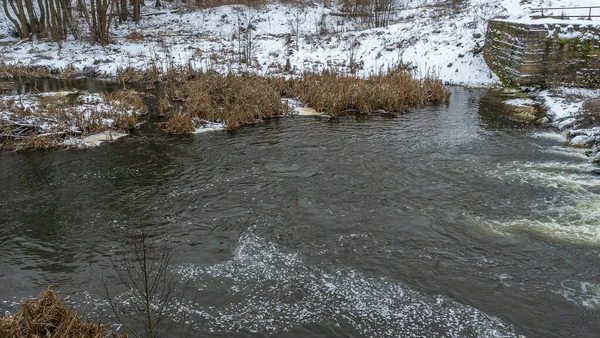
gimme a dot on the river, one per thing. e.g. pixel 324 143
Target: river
pixel 449 221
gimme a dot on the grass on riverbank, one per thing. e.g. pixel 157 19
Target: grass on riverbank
pixel 21 71
pixel 393 92
pixel 238 99
pixel 48 316
pixel 62 120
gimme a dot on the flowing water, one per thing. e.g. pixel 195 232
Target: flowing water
pixel 448 221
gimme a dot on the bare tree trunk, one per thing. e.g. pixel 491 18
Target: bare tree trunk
pixel 136 10
pixel 11 19
pixel 157 4
pixel 42 14
pixel 23 19
pixel 32 18
pixel 94 27
pixel 123 11
pixel 54 26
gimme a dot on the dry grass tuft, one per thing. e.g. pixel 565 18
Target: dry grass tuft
pixel 395 91
pixel 134 36
pixel 130 75
pixel 178 123
pixel 233 99
pixel 18 70
pixel 48 316
pixel 126 100
pixel 238 99
pixel 39 142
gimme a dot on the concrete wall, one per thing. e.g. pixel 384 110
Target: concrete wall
pixel 548 53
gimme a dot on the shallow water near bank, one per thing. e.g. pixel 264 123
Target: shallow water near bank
pixel 449 221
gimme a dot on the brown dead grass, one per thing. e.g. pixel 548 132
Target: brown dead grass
pixel 39 142
pixel 18 70
pixel 134 36
pixel 396 91
pixel 48 316
pixel 125 100
pixel 178 123
pixel 232 98
pixel 238 99
pixel 42 122
pixel 130 75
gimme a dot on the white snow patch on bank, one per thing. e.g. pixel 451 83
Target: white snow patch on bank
pixel 209 126
pixel 520 102
pixel 433 39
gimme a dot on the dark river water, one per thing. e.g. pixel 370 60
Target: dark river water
pixel 449 221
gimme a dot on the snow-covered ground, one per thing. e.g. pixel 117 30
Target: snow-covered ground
pixel 429 37
pixel 50 114
pixel 566 108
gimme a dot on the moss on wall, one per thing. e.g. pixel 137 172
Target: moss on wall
pixel 535 54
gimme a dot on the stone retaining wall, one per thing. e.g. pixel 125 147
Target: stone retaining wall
pixel 549 53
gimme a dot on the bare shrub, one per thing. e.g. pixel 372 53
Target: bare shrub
pixel 141 267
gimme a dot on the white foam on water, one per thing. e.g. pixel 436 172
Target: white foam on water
pixel 275 291
pixel 567 151
pixel 573 215
pixel 572 177
pixel 550 136
pixel 584 294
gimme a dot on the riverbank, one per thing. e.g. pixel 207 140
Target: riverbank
pixel 67 119
pixel 193 101
pixel 575 112
pixel 278 40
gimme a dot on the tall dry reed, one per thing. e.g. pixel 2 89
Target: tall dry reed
pixel 48 316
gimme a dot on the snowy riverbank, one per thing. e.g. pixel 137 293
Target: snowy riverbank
pixel 425 34
pixel 431 36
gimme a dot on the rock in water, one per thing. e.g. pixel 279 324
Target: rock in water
pixel 579 141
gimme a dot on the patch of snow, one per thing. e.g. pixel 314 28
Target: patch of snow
pixel 561 110
pixel 97 139
pixel 520 102
pixel 209 126
pixel 300 111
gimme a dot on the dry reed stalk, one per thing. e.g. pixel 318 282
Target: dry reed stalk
pixel 39 142
pixel 234 99
pixel 125 100
pixel 130 75
pixel 178 123
pixel 48 316
pixel 396 91
pixel 11 71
